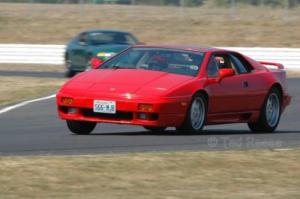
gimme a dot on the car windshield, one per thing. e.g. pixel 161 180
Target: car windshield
pixel 111 38
pixel 157 59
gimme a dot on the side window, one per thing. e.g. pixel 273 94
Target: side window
pixel 82 38
pixel 212 67
pixel 239 64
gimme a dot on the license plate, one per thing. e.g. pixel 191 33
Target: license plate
pixel 101 106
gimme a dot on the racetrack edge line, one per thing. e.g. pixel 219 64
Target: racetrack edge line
pixel 9 108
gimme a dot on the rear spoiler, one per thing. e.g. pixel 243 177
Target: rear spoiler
pixel 278 65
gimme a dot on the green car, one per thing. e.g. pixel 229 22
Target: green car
pixel 91 48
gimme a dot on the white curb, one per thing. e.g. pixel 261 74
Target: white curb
pixel 9 108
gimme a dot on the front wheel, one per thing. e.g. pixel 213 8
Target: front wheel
pixel 270 113
pixel 81 127
pixel 69 72
pixel 196 115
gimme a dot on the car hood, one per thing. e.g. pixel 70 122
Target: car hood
pixel 136 82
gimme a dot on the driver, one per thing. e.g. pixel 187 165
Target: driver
pixel 158 62
pixel 220 62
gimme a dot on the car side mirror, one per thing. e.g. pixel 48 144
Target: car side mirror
pixel 226 72
pixel 96 62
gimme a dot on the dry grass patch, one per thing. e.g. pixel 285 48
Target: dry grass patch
pixel 293 73
pixel 32 67
pixel 219 175
pixel 14 89
pixel 252 26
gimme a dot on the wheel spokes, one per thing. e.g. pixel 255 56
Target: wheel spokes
pixel 197 113
pixel 272 110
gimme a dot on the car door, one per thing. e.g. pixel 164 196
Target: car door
pixel 229 94
pixel 254 84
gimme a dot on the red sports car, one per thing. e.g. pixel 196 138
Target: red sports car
pixel 175 86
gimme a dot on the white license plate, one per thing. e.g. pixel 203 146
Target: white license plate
pixel 101 106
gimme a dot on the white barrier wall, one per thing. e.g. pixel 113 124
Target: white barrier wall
pixel 32 54
pixel 289 57
pixel 54 54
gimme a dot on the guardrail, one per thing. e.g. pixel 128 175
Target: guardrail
pixel 54 54
pixel 32 54
pixel 289 57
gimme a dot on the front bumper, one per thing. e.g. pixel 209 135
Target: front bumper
pixel 165 112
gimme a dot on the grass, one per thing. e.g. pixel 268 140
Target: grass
pixel 293 73
pixel 14 89
pixel 17 88
pixel 56 24
pixel 32 67
pixel 233 174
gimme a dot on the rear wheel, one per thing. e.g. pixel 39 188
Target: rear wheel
pixel 196 115
pixel 81 127
pixel 270 113
pixel 155 129
pixel 70 73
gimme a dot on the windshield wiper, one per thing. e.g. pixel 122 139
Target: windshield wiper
pixel 116 67
pixel 121 67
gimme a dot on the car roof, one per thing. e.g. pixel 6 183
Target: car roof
pixel 184 47
pixel 107 31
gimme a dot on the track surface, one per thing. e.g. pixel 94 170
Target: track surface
pixel 36 130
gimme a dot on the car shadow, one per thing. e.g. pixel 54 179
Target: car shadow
pixel 175 133
pixel 8 73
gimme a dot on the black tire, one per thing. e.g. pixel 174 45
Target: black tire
pixel 81 127
pixel 263 125
pixel 155 129
pixel 187 126
pixel 70 73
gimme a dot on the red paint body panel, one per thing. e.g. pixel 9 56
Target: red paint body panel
pixel 170 94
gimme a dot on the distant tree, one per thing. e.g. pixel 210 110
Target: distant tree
pixel 273 3
pixel 194 2
pixel 293 3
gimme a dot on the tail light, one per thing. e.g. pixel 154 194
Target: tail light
pixel 96 62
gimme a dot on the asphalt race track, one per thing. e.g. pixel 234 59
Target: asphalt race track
pixel 36 130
